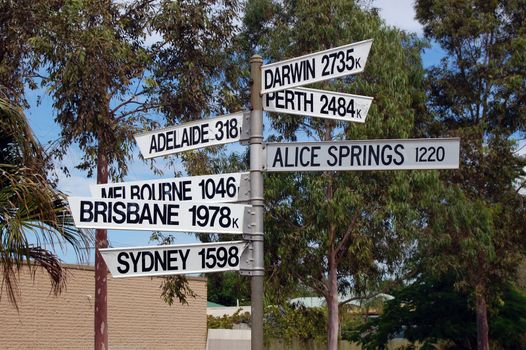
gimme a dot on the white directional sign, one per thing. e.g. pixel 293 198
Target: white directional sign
pixel 124 214
pixel 319 66
pixel 222 188
pixel 198 134
pixel 173 259
pixel 364 155
pixel 318 103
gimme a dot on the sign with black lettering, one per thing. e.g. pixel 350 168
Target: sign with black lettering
pixel 222 188
pixel 318 103
pixel 364 155
pixel 125 214
pixel 319 66
pixel 173 259
pixel 194 135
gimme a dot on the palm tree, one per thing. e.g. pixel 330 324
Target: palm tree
pixel 30 205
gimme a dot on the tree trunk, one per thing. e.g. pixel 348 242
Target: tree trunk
pixel 482 320
pixel 101 270
pixel 332 303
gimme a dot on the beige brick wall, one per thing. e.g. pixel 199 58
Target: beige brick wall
pixel 138 317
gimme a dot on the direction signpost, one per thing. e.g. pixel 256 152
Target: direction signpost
pixel 318 103
pixel 222 188
pixel 173 259
pixel 203 133
pixel 203 203
pixel 125 214
pixel 364 155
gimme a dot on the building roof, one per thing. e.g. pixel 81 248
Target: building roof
pixel 320 302
pixel 212 304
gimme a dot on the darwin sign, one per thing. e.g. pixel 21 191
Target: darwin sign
pixel 314 67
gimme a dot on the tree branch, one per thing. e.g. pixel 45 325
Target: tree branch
pixel 143 108
pixel 130 100
pixel 344 243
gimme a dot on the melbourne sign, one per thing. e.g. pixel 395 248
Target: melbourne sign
pixel 223 188
pixel 314 67
pixel 124 214
pixel 364 155
pixel 194 135
pixel 173 259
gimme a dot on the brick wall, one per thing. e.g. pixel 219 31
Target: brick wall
pixel 138 317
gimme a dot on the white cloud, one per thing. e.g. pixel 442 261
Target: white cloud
pixel 399 13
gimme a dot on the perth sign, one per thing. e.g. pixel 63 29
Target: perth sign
pixel 125 214
pixel 203 133
pixel 318 103
pixel 173 259
pixel 222 188
pixel 364 155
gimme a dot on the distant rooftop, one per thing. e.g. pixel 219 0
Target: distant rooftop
pixel 320 302
pixel 211 304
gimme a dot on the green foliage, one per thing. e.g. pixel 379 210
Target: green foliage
pixel 431 311
pixel 290 322
pixel 193 67
pixel 17 25
pixel 226 288
pixel 227 322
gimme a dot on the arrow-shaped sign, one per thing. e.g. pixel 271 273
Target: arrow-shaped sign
pixel 210 132
pixel 222 188
pixel 123 214
pixel 173 259
pixel 364 155
pixel 319 66
pixel 318 103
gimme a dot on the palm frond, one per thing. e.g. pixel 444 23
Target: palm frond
pixel 31 205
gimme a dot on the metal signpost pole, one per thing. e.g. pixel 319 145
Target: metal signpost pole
pixel 256 199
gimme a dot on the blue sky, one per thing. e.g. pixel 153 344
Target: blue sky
pixel 41 116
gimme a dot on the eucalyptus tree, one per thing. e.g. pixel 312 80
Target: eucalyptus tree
pixel 108 82
pixel 339 232
pixel 95 62
pixel 478 92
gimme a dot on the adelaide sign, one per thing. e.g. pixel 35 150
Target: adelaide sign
pixel 194 135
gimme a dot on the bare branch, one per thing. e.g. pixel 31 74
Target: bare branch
pixel 128 101
pixel 345 242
